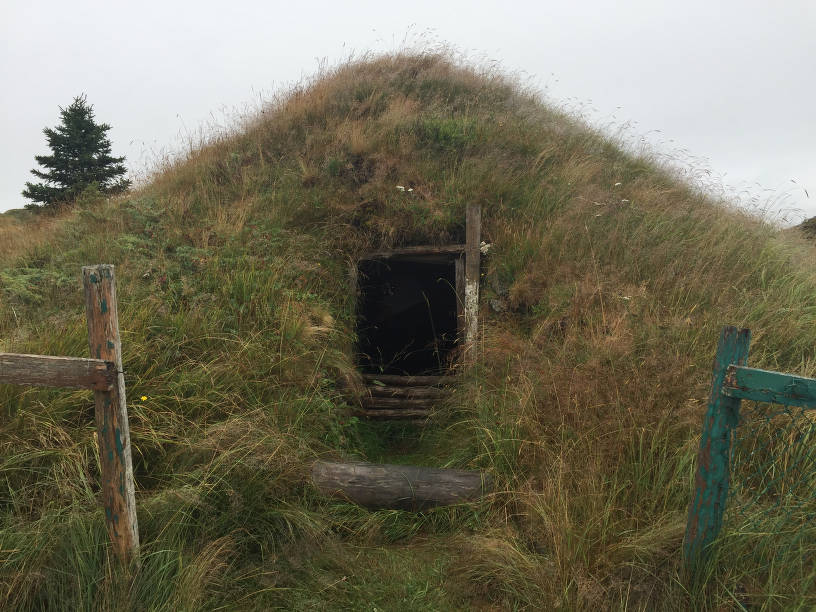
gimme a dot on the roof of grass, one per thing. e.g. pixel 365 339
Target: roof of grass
pixel 603 296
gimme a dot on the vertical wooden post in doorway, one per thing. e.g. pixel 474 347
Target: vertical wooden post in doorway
pixel 472 258
pixel 459 272
pixel 113 431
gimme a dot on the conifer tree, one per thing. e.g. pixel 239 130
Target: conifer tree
pixel 81 157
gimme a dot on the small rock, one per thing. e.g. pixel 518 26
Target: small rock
pixel 497 305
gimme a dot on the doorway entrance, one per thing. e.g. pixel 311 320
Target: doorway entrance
pixel 408 312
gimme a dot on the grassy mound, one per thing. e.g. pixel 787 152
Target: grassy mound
pixel 603 296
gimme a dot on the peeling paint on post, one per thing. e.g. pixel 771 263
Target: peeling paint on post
pixel 113 431
pixel 712 476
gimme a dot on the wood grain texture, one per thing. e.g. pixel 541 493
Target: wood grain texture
pixel 48 371
pixel 398 402
pixel 445 249
pixel 113 431
pixel 402 487
pixel 394 413
pixel 766 386
pixel 472 261
pixel 395 379
pixel 408 392
pixel 459 270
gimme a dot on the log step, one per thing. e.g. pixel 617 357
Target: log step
pixel 404 487
pixel 408 392
pixel 392 396
pixel 398 402
pixel 398 413
pixel 408 381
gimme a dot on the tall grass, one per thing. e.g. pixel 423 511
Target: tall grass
pixel 603 294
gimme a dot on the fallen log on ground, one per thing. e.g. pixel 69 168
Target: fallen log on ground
pixel 401 487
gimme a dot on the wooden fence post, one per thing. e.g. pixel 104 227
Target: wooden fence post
pixel 473 220
pixel 113 432
pixel 712 477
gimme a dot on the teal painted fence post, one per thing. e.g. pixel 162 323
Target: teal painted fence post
pixel 711 480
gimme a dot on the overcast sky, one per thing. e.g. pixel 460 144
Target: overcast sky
pixel 727 85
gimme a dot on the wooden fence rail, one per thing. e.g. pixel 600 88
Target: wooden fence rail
pixel 732 382
pixel 104 376
pixel 47 371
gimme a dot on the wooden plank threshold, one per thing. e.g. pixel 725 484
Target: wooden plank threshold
pixel 403 381
pixel 399 413
pixel 398 402
pixel 408 392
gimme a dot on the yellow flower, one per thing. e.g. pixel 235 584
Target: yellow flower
pixel 143 398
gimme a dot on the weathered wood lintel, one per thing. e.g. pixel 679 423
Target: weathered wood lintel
pixel 49 371
pixel 445 249
pixel 766 386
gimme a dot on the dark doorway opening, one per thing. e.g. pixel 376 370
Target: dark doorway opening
pixel 407 314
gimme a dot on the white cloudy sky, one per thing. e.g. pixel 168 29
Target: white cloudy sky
pixel 728 84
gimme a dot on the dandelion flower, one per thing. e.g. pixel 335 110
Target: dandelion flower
pixel 143 398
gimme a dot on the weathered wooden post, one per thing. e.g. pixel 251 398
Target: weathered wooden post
pixel 113 431
pixel 712 477
pixel 473 220
pixel 459 273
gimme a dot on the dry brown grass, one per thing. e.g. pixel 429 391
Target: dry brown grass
pixel 604 292
pixel 18 234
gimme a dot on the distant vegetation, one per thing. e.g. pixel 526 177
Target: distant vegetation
pixel 808 227
pixel 81 160
pixel 611 279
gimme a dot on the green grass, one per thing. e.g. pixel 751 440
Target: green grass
pixel 610 277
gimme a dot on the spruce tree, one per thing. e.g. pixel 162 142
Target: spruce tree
pixel 81 157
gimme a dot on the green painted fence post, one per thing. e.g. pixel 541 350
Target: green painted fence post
pixel 711 481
